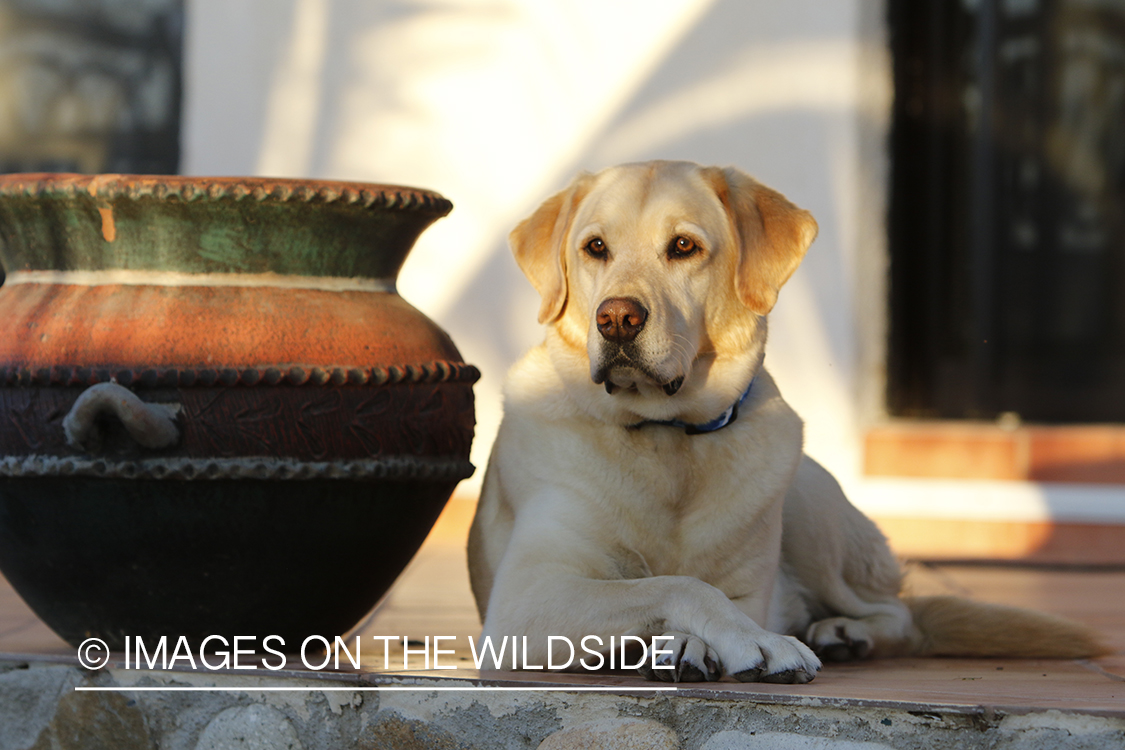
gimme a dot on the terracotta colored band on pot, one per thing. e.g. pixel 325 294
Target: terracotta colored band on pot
pixel 121 327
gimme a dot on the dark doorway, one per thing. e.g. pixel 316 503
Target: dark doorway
pixel 1007 226
pixel 90 86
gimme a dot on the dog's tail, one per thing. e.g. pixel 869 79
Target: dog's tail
pixel 952 626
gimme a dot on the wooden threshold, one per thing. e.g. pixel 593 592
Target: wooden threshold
pixel 973 450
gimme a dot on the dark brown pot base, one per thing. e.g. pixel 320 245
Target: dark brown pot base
pixel 113 558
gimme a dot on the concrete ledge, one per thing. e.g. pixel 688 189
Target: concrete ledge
pixel 43 705
pixel 937 519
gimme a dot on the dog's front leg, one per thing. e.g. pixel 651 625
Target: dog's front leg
pixel 539 600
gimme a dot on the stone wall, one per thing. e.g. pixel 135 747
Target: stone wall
pixel 40 709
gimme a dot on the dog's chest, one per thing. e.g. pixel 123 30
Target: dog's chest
pixel 681 504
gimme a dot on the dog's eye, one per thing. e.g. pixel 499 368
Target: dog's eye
pixel 682 247
pixel 596 248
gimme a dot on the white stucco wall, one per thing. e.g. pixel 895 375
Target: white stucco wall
pixel 497 103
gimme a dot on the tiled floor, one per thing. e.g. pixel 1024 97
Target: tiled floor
pixel 433 599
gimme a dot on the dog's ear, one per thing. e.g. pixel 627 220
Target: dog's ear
pixel 538 244
pixel 772 233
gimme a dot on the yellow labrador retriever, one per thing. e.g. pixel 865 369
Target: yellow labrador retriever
pixel 648 478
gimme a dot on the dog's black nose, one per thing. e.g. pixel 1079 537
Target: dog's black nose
pixel 621 319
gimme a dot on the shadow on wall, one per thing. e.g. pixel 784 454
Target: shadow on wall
pixel 234 51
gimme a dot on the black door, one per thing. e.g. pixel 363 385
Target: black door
pixel 1007 227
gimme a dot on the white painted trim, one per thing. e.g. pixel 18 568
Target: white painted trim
pixel 165 278
pixel 991 500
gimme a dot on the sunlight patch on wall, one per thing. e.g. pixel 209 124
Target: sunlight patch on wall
pixel 809 75
pixel 295 95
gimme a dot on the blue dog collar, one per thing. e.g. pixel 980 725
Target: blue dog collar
pixel 718 423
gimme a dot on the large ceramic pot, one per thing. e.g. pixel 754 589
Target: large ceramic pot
pixel 216 414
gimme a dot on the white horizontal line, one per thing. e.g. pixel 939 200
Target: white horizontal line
pixel 388 688
pixel 995 500
pixel 166 278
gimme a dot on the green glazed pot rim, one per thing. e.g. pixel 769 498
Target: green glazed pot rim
pixel 210 225
pixel 192 188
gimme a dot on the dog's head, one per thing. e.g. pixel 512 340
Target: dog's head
pixel 655 279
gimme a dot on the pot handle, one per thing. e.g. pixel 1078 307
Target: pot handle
pixel 151 425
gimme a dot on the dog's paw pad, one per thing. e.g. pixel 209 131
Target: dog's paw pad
pixel 690 673
pixel 835 652
pixel 714 671
pixel 754 674
pixel 686 659
pixel 860 649
pixel 789 677
pixel 783 659
pixel 839 639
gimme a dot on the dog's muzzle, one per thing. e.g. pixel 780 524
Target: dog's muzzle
pixel 671 388
pixel 619 320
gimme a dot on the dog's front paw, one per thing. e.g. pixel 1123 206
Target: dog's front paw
pixel 686 659
pixel 839 639
pixel 776 658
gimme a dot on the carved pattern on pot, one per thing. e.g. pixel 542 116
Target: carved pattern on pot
pixel 170 187
pixel 150 377
pixel 345 423
pixel 251 467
